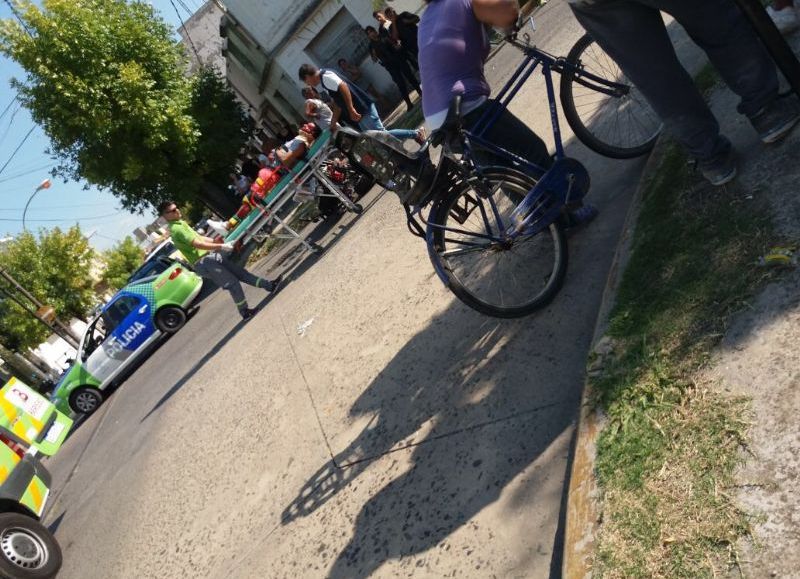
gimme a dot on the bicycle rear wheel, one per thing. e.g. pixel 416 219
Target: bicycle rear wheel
pixel 501 280
pixel 621 127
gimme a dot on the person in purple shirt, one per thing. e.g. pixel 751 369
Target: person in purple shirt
pixel 453 46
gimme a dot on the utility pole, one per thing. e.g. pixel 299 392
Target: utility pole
pixel 56 326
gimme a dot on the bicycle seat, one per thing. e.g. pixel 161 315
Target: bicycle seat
pixel 451 124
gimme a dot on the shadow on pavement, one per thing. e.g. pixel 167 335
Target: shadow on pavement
pixel 53 527
pixel 490 421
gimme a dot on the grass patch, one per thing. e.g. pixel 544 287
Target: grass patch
pixel 706 79
pixel 667 457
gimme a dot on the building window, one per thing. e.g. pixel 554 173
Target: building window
pixel 342 37
pixel 242 57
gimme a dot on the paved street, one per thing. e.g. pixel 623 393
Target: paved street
pixel 401 434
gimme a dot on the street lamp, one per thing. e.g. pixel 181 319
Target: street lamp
pixel 43 185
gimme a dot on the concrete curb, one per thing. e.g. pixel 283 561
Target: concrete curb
pixel 583 501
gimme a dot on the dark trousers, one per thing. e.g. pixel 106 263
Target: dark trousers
pixel 227 274
pixel 412 57
pixel 632 32
pixel 511 134
pixel 403 77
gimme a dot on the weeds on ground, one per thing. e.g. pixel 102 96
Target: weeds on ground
pixel 667 457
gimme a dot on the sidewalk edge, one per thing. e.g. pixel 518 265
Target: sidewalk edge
pixel 583 505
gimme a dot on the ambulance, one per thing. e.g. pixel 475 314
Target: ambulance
pixel 30 426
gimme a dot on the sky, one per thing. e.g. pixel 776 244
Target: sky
pixel 63 204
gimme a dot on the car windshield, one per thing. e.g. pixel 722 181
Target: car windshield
pixel 150 268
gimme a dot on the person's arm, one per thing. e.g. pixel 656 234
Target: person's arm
pixel 372 54
pixel 348 100
pixel 499 13
pixel 291 157
pixel 394 35
pixel 201 242
pixel 311 109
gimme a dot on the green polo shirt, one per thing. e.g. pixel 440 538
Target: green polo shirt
pixel 182 236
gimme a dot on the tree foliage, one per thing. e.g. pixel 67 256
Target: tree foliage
pixel 55 268
pixel 107 82
pixel 121 261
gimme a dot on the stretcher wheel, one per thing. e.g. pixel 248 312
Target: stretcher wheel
pixel 358 209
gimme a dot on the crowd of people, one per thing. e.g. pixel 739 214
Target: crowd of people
pixel 448 47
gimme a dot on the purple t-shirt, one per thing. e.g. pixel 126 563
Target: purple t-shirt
pixel 453 46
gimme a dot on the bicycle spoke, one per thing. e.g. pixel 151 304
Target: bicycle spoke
pixel 617 124
pixel 505 275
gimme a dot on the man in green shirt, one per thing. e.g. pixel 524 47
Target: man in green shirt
pixel 209 259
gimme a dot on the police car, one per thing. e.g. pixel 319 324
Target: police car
pixel 121 335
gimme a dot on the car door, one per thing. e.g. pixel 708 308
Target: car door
pixel 127 325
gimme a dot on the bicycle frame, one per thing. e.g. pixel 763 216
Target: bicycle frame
pixel 528 221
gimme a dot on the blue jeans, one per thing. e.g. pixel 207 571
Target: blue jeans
pixel 370 121
pixel 633 34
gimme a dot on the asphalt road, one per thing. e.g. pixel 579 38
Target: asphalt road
pixel 400 434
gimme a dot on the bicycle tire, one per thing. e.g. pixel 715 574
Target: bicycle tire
pixel 516 184
pixel 646 123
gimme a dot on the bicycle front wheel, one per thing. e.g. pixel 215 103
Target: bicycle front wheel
pixel 621 126
pixel 504 280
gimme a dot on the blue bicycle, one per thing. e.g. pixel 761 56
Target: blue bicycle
pixel 495 234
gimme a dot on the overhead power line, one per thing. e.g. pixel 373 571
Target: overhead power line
pixel 8 106
pixel 25 172
pixel 10 124
pixel 77 218
pixel 25 138
pixel 183 25
pixel 49 207
pixel 21 21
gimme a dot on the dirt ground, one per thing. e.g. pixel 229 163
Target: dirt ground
pixel 759 357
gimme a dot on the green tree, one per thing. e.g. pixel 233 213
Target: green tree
pixel 121 260
pixel 107 82
pixel 56 269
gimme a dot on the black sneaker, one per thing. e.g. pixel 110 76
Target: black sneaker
pixel 721 170
pixel 274 284
pixel 248 313
pixel 775 120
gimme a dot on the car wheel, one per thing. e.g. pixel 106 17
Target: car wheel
pixel 85 400
pixel 170 319
pixel 27 549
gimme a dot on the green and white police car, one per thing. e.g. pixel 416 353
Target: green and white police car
pixel 122 334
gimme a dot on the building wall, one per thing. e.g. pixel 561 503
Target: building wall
pixel 290 33
pixel 203 30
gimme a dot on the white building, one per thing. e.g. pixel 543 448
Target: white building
pixel 201 33
pixel 268 40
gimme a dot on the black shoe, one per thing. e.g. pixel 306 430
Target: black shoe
pixel 248 313
pixel 775 120
pixel 274 284
pixel 721 170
